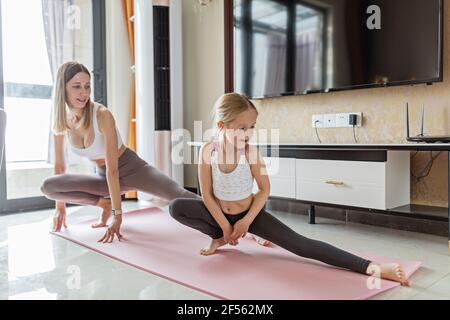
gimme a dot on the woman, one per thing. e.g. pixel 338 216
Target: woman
pixel 229 209
pixel 90 131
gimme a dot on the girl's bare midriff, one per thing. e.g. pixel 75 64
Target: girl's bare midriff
pixel 235 207
pixel 102 162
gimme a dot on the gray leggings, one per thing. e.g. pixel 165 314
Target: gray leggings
pixel 134 175
pixel 193 213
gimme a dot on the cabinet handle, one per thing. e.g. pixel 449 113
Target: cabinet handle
pixel 336 183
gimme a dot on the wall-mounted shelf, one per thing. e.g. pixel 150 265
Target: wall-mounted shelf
pixel 422 212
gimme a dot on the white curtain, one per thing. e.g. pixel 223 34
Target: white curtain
pixel 308 66
pixel 60 41
pixel 275 65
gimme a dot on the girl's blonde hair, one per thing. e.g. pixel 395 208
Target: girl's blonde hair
pixel 60 108
pixel 230 105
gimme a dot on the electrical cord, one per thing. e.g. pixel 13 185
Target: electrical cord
pixel 317 133
pixel 427 169
pixel 354 134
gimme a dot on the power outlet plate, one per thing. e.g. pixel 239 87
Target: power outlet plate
pixel 317 121
pixel 338 120
pixel 329 120
pixel 342 119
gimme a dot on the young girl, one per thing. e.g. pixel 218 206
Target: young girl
pixel 229 210
pixel 91 132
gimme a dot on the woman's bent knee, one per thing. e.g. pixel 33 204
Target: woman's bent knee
pixel 50 186
pixel 46 186
pixel 178 208
pixel 174 208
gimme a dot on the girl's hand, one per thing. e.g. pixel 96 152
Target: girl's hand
pixel 227 231
pixel 114 229
pixel 59 220
pixel 240 229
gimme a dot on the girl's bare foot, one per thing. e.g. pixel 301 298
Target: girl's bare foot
pixel 105 204
pixel 213 246
pixel 261 241
pixel 389 271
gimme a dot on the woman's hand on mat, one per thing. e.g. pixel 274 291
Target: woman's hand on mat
pixel 113 230
pixel 59 220
pixel 240 229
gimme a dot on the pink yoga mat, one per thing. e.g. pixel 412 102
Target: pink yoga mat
pixel 160 245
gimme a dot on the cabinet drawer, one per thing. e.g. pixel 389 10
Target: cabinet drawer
pixel 280 187
pixel 280 167
pixel 346 172
pixel 282 177
pixel 349 194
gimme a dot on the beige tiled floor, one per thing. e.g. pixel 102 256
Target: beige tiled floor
pixel 36 265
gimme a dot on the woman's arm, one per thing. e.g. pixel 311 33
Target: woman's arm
pixel 259 172
pixel 59 218
pixel 205 181
pixel 107 127
pixel 60 163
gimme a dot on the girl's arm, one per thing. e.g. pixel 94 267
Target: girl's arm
pixel 107 127
pixel 205 181
pixel 259 172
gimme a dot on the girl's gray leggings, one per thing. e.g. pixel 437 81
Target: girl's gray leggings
pixel 193 213
pixel 134 175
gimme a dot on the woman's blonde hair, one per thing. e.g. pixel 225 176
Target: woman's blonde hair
pixel 60 122
pixel 230 105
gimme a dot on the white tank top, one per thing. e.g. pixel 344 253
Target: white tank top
pixel 234 186
pixel 97 150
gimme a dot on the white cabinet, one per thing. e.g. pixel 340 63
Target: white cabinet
pixel 376 185
pixel 368 184
pixel 281 173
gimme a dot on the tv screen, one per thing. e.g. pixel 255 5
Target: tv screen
pixel 290 47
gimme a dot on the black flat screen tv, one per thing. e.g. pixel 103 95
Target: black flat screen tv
pixel 293 47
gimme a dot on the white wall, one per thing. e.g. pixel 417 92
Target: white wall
pixel 145 111
pixel 203 66
pixel 118 56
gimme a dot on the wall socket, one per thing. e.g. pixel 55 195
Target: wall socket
pixel 329 120
pixel 317 121
pixel 339 120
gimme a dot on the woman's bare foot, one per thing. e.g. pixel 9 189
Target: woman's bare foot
pixel 389 271
pixel 105 204
pixel 213 246
pixel 160 202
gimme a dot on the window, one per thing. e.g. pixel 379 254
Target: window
pixel 35 41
